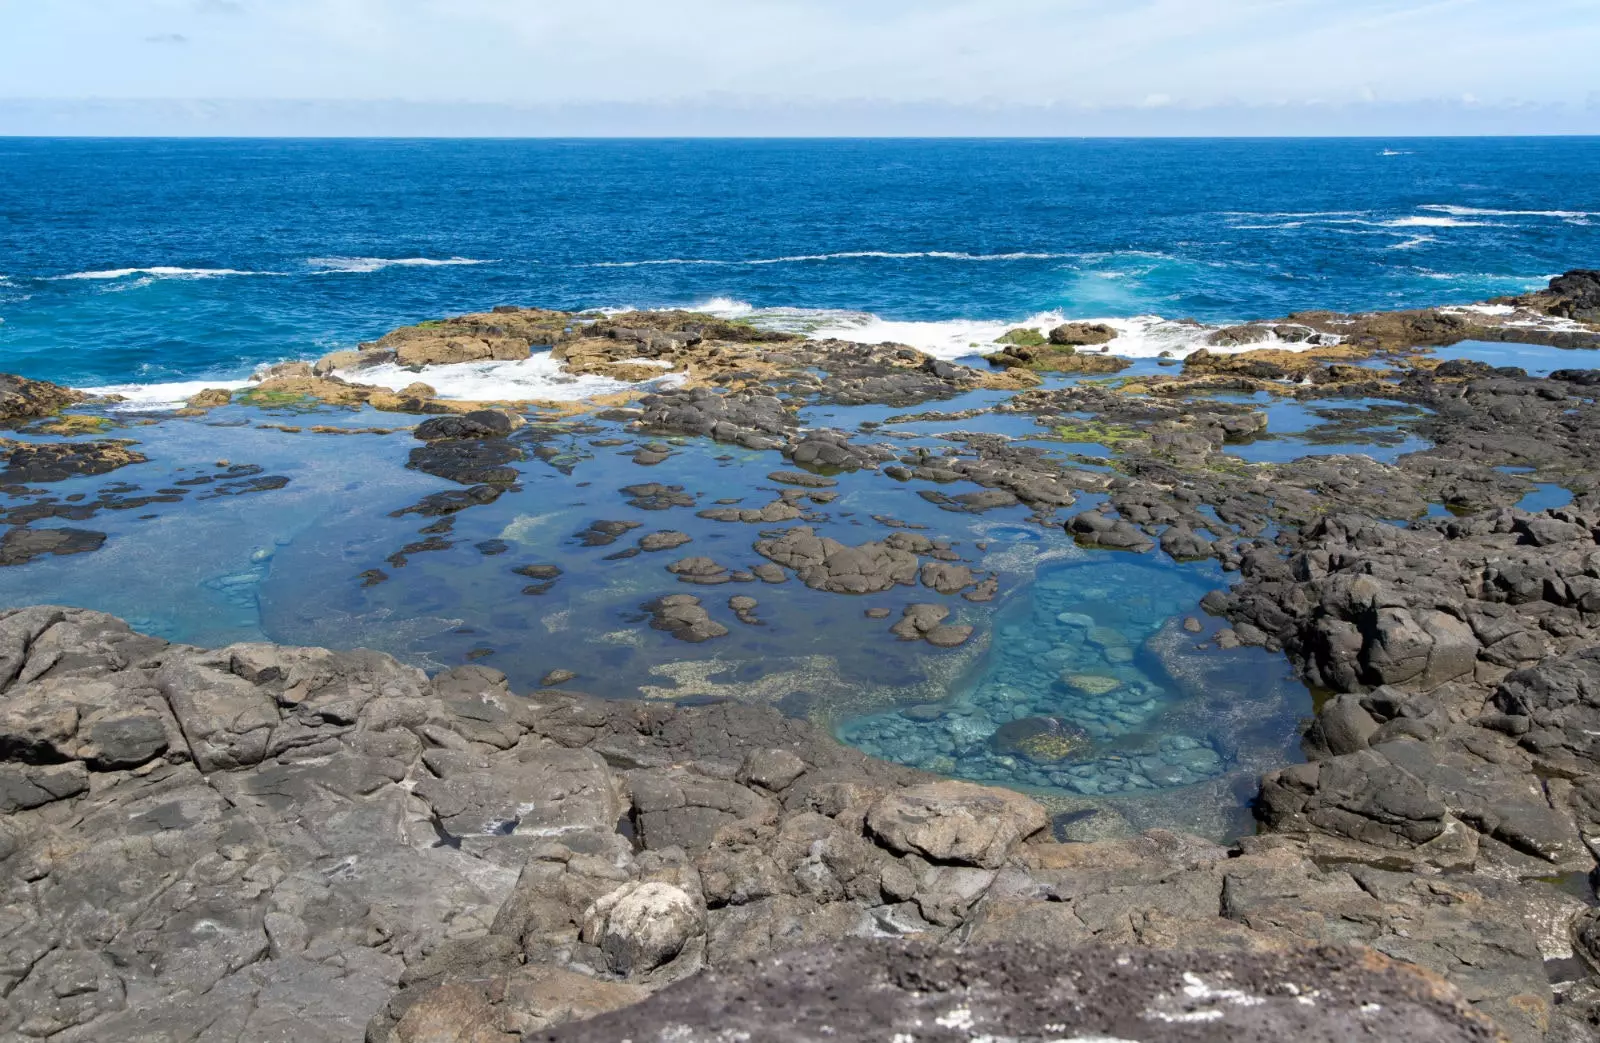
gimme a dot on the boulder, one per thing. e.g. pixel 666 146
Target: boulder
pixel 956 823
pixel 641 927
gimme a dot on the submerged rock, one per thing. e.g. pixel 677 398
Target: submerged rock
pixel 1043 740
pixel 22 544
pixel 682 616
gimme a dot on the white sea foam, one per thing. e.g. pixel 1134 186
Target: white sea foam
pixel 1433 222
pixel 1295 213
pixel 171 395
pixel 1356 217
pixel 1414 242
pixel 159 272
pixel 365 265
pixel 843 255
pixel 1472 211
pixel 538 377
pixel 1142 336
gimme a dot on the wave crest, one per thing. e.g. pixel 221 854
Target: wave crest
pixel 158 272
pixel 842 255
pixel 366 265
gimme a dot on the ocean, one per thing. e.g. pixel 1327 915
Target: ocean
pixel 139 263
pixel 157 268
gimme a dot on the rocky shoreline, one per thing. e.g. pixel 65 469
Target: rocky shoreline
pixel 258 840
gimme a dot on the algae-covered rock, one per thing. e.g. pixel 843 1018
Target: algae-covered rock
pixel 1056 358
pixel 22 399
pixel 1043 740
pixel 1025 338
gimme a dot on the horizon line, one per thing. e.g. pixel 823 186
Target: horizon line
pixel 890 136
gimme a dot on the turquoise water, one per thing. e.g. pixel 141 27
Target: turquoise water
pixel 1100 682
pixel 1090 680
pixel 144 261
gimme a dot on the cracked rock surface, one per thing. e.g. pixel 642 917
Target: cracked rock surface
pixel 258 842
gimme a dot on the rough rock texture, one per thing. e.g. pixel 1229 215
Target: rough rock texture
pixel 261 841
pixel 22 399
pixel 826 564
pixel 869 992
pixel 56 461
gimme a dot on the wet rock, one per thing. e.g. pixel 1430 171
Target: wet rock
pixel 970 503
pixel 926 623
pixel 478 424
pixel 826 564
pixel 57 461
pixel 802 478
pixel 1184 544
pixel 557 677
pixel 1100 530
pixel 1081 334
pixel 745 608
pixel 699 570
pixel 451 501
pixel 664 540
pixel 21 544
pixel 604 533
pixel 653 496
pixel 467 338
pixel 1043 740
pixel 682 617
pixel 468 461
pixel 945 578
pixel 22 399
pixel 780 510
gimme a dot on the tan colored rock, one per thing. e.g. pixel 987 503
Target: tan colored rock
pixel 210 398
pixel 1079 334
pixel 507 1008
pixel 1091 684
pixel 285 369
pixel 956 822
pixel 342 360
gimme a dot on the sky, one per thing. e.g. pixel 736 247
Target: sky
pixel 801 66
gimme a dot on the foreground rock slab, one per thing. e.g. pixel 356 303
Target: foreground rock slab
pixel 870 992
pixel 263 842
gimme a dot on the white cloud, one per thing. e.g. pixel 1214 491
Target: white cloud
pixel 1028 52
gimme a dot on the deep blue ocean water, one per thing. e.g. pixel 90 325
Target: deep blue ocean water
pixel 186 262
pixel 113 253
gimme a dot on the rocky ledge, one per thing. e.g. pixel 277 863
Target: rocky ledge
pixel 699 351
pixel 260 842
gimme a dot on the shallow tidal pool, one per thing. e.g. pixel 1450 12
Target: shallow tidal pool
pixel 1101 682
pixel 1080 683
